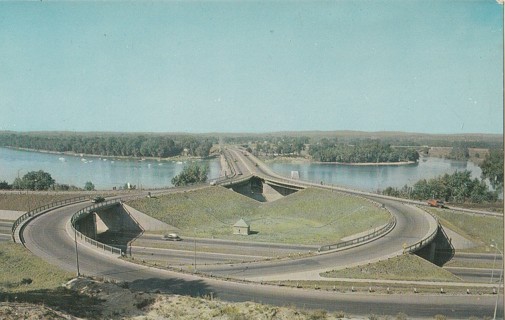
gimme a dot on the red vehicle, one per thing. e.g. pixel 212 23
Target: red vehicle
pixel 436 203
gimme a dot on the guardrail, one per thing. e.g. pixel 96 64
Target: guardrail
pixel 35 212
pixel 423 242
pixel 372 235
pixel 84 211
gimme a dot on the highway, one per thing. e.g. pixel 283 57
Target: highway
pixel 46 237
pixel 476 267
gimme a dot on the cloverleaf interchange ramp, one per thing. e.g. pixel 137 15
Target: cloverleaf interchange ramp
pixel 47 236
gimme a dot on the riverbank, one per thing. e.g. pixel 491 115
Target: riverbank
pixel 73 154
pixel 310 161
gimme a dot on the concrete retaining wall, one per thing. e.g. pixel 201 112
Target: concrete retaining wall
pixel 148 223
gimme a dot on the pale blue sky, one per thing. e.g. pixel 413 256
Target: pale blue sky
pixel 202 66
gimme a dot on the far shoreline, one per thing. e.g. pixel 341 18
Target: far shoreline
pixel 126 158
pixel 309 161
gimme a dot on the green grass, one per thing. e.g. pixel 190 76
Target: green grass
pixel 480 229
pixel 310 216
pixel 22 201
pixel 405 267
pixel 26 202
pixel 17 263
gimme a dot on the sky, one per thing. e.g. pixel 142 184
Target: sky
pixel 429 66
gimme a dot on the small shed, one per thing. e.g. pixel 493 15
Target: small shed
pixel 241 227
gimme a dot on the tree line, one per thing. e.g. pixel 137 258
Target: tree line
pixel 458 187
pixel 368 151
pixel 485 141
pixel 126 145
pixel 41 181
pixel 281 145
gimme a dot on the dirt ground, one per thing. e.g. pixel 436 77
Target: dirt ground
pixel 118 302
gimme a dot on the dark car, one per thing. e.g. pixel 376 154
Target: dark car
pixel 98 199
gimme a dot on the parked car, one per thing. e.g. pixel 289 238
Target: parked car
pixel 171 237
pixel 98 199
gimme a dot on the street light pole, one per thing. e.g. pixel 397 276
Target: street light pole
pixel 76 252
pixel 499 282
pixel 194 240
pixel 493 243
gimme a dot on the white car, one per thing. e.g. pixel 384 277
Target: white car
pixel 171 237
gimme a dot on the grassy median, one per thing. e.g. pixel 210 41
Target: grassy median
pixel 310 216
pixel 404 267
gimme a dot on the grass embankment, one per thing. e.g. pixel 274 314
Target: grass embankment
pixel 28 201
pixel 309 216
pixel 17 263
pixel 480 229
pixel 25 278
pixel 406 267
pixel 25 201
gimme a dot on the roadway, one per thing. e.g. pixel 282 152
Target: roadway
pixel 471 274
pixel 46 237
pixel 476 267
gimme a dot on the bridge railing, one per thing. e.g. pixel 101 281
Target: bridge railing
pixel 372 235
pixel 87 210
pixel 423 242
pixel 37 211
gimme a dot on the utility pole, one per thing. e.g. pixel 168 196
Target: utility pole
pixel 76 252
pixel 194 240
pixel 494 260
pixel 499 282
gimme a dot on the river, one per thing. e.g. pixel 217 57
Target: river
pixel 373 178
pixel 106 173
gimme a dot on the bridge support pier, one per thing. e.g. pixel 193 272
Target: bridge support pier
pixel 433 248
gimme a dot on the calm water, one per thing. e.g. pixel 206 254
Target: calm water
pixel 372 178
pixel 106 173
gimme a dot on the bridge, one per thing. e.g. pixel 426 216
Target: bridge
pixel 413 230
pixel 260 178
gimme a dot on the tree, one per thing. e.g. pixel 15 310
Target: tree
pixel 492 169
pixel 89 186
pixel 34 180
pixel 192 173
pixel 459 152
pixel 457 187
pixel 4 185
